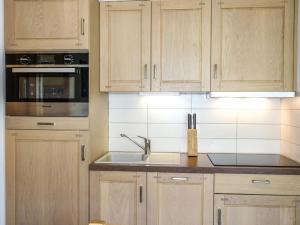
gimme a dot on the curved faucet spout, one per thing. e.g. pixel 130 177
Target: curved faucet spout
pixel 146 148
pixel 125 136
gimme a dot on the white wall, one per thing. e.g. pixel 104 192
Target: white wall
pixel 2 196
pixel 224 125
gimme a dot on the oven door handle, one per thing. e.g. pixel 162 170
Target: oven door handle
pixel 43 70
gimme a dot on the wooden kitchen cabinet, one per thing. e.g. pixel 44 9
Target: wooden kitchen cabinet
pixel 46 24
pixel 256 199
pixel 47 177
pixel 125 46
pixel 177 199
pixel 118 197
pixel 252 45
pixel 181 45
pixel 256 210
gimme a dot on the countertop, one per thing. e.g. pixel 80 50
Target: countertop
pixel 200 164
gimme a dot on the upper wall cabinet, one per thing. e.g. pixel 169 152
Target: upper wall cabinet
pixel 181 45
pixel 125 46
pixel 46 24
pixel 252 45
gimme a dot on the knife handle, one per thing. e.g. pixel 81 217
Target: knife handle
pixel 189 121
pixel 194 120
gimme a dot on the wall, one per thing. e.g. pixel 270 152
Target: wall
pixel 290 129
pixel 224 125
pixel 2 202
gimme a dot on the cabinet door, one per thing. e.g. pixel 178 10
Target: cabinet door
pixel 125 46
pixel 46 24
pixel 181 34
pixel 177 199
pixel 118 197
pixel 252 45
pixel 256 210
pixel 47 177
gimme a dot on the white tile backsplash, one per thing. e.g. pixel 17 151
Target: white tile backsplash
pixel 224 125
pixel 167 130
pixel 257 131
pixel 127 101
pixel 259 116
pixel 167 115
pixel 169 101
pixel 216 116
pixel 128 115
pixel 216 130
pixel 217 145
pixel 131 129
pixel 258 146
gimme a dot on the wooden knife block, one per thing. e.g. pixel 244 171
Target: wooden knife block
pixel 192 143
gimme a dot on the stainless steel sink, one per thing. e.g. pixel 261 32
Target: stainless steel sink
pixel 137 158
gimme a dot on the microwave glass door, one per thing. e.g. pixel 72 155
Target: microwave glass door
pixel 47 87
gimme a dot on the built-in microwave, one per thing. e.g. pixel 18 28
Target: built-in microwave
pixel 47 84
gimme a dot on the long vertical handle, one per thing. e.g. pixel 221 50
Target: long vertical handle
pixel 215 71
pixel 82 152
pixel 145 72
pixel 219 217
pixel 154 71
pixel 141 194
pixel 82 26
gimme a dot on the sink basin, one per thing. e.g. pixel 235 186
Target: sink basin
pixel 137 158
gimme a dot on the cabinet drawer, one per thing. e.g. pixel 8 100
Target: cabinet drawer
pixel 46 123
pixel 257 184
pixel 181 178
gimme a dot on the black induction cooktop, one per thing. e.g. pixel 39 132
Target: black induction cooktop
pixel 257 160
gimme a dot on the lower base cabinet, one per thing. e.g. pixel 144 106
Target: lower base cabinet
pixel 118 198
pixel 179 199
pixel 133 198
pixel 256 210
pixel 46 177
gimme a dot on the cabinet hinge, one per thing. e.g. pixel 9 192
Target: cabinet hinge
pixel 78 135
pixel 107 5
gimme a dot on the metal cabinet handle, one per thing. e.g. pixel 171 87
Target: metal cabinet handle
pixel 219 217
pixel 154 71
pixel 215 71
pixel 141 194
pixel 180 178
pixel 45 123
pixel 145 72
pixel 82 152
pixel 261 182
pixel 82 21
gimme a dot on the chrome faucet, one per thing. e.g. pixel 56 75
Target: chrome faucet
pixel 146 147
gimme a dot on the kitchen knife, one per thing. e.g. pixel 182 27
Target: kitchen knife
pixel 189 121
pixel 194 120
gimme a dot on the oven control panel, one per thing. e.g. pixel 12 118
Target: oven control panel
pixel 47 59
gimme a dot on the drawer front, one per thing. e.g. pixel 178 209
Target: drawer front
pixel 46 123
pixel 181 178
pixel 257 184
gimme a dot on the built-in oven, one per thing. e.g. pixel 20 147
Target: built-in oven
pixel 47 84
